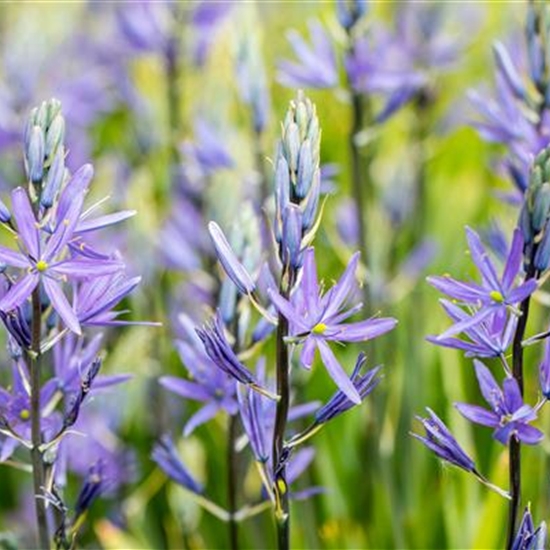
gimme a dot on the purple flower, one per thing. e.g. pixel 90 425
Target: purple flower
pixel 210 385
pixel 440 440
pixel 166 456
pixel 490 337
pixel 222 355
pixel 494 293
pixel 527 537
pixel 316 319
pixel 316 66
pixel 509 416
pixel 339 403
pixel 45 260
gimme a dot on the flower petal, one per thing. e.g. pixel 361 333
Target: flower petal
pixel 478 415
pixel 337 373
pixel 26 221
pixel 61 304
pixel 19 292
pixel 13 258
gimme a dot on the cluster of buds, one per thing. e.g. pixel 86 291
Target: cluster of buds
pixel 535 215
pixel 297 181
pixel 45 151
pixel 537 30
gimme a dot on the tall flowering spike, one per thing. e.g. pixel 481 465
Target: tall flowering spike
pixel 166 456
pixel 440 440
pixel 297 178
pixel 509 416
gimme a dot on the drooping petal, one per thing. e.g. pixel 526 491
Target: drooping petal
pixel 61 304
pixel 337 373
pixel 529 434
pixel 26 221
pixel 19 292
pixel 308 352
pixel 512 395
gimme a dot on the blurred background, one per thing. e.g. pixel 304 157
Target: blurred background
pixel 161 98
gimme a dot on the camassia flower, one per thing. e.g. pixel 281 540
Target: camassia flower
pixel 494 293
pixel 317 317
pixel 509 416
pixel 441 441
pixel 44 258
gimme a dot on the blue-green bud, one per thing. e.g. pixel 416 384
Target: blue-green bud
pixel 34 154
pixel 55 135
pixel 291 242
pixel 54 179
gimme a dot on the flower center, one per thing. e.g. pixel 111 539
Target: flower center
pixel 319 328
pixel 41 266
pixel 496 296
pixel 25 414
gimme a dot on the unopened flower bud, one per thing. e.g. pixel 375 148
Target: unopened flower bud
pixel 34 154
pixel 55 135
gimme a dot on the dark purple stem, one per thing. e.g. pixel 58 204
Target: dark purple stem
pixel 515 447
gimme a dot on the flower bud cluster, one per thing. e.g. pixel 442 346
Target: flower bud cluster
pixel 45 151
pixel 297 179
pixel 535 214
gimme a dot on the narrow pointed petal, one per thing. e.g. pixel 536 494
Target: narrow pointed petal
pixel 529 434
pixel 481 259
pixel 189 390
pixel 521 292
pixel 61 304
pixel 343 288
pixel 468 323
pixel 362 330
pixel 26 222
pixel 488 385
pixel 310 284
pixel 19 292
pixel 286 309
pixel 202 416
pixel 478 415
pixel 308 352
pixel 513 261
pixel 337 373
pixel 87 268
pixel 458 290
pixel 100 222
pixel 13 258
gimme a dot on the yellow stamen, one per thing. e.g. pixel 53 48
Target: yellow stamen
pixel 319 328
pixel 496 296
pixel 24 414
pixel 41 266
pixel 281 486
